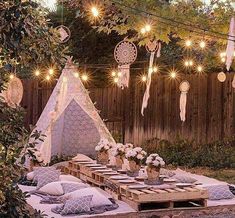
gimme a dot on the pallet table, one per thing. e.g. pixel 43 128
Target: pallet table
pixel 151 198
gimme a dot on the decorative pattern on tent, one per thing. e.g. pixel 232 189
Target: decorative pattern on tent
pixel 78 131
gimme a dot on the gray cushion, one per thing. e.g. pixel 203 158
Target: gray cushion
pixel 80 205
pixel 166 172
pixel 70 187
pixel 47 177
pixel 40 170
pixel 58 209
pixel 184 179
pixel 219 192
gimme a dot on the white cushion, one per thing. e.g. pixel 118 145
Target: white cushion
pixel 53 188
pixel 30 176
pixel 69 178
pixel 97 200
pixel 56 188
pixel 82 157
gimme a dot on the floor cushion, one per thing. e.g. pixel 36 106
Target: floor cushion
pixel 47 177
pixel 69 178
pixel 98 198
pixel 219 192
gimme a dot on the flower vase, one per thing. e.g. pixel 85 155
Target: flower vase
pixel 153 174
pixel 119 162
pixel 134 169
pixel 103 158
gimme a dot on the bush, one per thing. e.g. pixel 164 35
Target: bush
pixel 181 152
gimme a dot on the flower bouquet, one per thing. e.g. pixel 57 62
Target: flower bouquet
pixel 102 149
pixel 120 155
pixel 135 157
pixel 154 163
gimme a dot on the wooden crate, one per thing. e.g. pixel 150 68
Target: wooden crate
pixel 174 198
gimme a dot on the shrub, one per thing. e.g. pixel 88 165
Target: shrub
pixel 181 152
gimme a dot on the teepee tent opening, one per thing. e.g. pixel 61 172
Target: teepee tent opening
pixel 70 120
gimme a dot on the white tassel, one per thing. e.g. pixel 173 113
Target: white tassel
pixel 230 45
pixel 183 102
pixel 123 80
pixel 159 50
pixel 233 82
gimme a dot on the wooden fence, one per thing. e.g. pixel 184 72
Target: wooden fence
pixel 210 108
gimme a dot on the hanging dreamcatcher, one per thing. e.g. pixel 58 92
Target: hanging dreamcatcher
pixel 184 88
pixel 152 47
pixel 64 33
pixel 125 54
pixel 14 92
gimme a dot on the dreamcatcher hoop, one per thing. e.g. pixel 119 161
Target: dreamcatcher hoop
pixel 125 53
pixel 64 32
pixel 184 86
pixel 152 46
pixel 14 92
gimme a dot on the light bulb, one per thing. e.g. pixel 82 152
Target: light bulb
pixel 51 71
pixel 202 44
pixel 147 28
pixel 188 43
pixel 173 74
pixel 115 80
pixel 76 75
pixel 113 73
pixel 11 76
pixel 143 30
pixel 84 77
pixel 222 54
pixel 48 77
pixel 37 73
pixel 223 60
pixel 144 78
pixel 119 74
pixel 199 68
pixel 95 11
pixel 186 63
pixel 190 63
pixel 155 69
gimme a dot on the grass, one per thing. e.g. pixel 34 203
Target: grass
pixel 226 175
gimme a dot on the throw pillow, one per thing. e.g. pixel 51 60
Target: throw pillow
pixel 71 187
pixel 53 188
pixel 69 178
pixel 30 176
pixel 80 205
pixel 166 172
pixel 47 177
pixel 219 192
pixel 40 170
pixel 97 200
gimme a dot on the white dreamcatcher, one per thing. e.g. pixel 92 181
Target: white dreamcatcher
pixel 184 88
pixel 64 33
pixel 14 93
pixel 152 47
pixel 125 54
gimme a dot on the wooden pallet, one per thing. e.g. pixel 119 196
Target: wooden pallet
pixel 173 198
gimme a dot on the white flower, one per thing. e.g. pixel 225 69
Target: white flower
pixel 137 149
pixel 148 161
pixel 140 157
pixel 106 147
pixel 156 163
pixel 162 163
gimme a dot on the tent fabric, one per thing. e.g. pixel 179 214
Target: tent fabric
pixel 70 120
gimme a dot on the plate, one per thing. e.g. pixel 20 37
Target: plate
pixel 81 160
pixel 98 168
pixel 93 165
pixel 137 186
pixel 111 173
pixel 118 177
pixel 121 171
pixel 128 181
pixel 140 178
pixel 103 171
pixel 182 185
pixel 169 180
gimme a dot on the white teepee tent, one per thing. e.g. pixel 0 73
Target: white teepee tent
pixel 70 120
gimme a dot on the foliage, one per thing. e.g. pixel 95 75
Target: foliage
pixel 13 141
pixel 27 41
pixel 181 152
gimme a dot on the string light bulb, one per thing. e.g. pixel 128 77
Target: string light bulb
pixel 155 69
pixel 51 71
pixel 202 44
pixel 147 28
pixel 223 59
pixel 143 30
pixel 113 73
pixel 84 77
pixel 173 74
pixel 115 80
pixel 37 73
pixel 95 11
pixel 188 43
pixel 119 74
pixel 222 54
pixel 144 78
pixel 190 63
pixel 48 77
pixel 186 63
pixel 11 76
pixel 76 75
pixel 199 68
